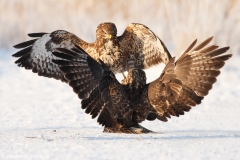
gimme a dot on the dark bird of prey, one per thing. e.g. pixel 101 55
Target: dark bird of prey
pixel 137 47
pixel 120 107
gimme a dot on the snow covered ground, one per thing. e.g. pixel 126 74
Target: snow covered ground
pixel 42 118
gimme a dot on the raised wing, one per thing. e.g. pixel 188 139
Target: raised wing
pixel 101 92
pixel 139 42
pixel 184 83
pixel 37 54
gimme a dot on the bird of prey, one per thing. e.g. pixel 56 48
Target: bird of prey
pixel 120 107
pixel 137 47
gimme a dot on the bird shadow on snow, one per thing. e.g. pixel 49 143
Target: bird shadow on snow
pixel 172 135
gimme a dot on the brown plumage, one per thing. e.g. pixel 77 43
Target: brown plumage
pixel 137 47
pixel 121 107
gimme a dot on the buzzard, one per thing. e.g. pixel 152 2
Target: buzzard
pixel 120 107
pixel 137 47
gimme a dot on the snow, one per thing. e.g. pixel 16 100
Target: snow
pixel 42 118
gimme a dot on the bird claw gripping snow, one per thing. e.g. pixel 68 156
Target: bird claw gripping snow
pixel 132 130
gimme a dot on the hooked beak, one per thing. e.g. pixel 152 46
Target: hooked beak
pixel 110 36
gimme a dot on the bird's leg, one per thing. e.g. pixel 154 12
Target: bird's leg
pixel 133 129
pixel 136 129
pixel 142 129
pixel 129 126
pixel 123 75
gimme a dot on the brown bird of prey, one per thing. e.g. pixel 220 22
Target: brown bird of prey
pixel 137 47
pixel 121 107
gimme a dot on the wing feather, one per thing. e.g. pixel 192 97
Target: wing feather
pixel 79 77
pixel 38 56
pixel 184 83
pixel 36 34
pixel 25 44
pixel 139 41
pixel 22 52
pixel 203 44
pixel 102 94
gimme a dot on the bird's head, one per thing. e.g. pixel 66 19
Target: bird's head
pixel 106 31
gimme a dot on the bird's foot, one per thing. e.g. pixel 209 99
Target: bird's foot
pixel 131 130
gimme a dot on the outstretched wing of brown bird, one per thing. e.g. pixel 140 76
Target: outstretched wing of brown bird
pixel 184 83
pixel 37 53
pixel 137 47
pixel 96 85
pixel 144 49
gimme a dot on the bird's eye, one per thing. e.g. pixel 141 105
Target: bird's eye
pixel 105 32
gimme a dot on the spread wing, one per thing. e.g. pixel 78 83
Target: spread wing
pixel 37 54
pixel 102 94
pixel 139 42
pixel 184 83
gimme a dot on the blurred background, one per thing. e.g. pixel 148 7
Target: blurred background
pixel 176 22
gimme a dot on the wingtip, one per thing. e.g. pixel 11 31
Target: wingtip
pixel 210 38
pixel 36 34
pixel 191 46
pixel 17 46
pixel 194 42
pixel 226 48
pixel 25 44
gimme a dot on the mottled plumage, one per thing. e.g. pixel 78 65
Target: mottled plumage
pixel 137 47
pixel 121 107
